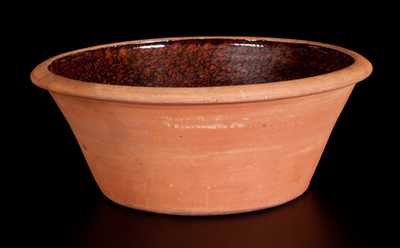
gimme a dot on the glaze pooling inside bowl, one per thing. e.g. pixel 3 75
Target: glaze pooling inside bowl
pixel 200 63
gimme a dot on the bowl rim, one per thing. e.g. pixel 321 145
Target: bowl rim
pixel 360 69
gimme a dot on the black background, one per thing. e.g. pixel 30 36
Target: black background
pixel 54 200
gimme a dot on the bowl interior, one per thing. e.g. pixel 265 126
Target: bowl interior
pixel 200 63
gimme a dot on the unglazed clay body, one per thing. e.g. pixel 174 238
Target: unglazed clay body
pixel 203 125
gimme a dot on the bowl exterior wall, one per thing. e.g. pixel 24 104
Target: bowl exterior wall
pixel 203 159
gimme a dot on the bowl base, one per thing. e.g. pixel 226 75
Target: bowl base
pixel 210 213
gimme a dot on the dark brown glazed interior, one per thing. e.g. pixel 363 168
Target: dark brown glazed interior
pixel 200 63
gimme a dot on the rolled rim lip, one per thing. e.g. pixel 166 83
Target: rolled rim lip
pixel 360 69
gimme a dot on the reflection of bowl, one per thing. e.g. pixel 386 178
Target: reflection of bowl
pixel 304 221
pixel 199 126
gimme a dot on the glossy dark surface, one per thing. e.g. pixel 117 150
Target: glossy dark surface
pixel 305 222
pixel 312 220
pixel 199 63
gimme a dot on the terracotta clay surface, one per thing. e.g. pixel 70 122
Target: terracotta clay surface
pixel 201 150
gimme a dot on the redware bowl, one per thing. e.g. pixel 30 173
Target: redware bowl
pixel 203 125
